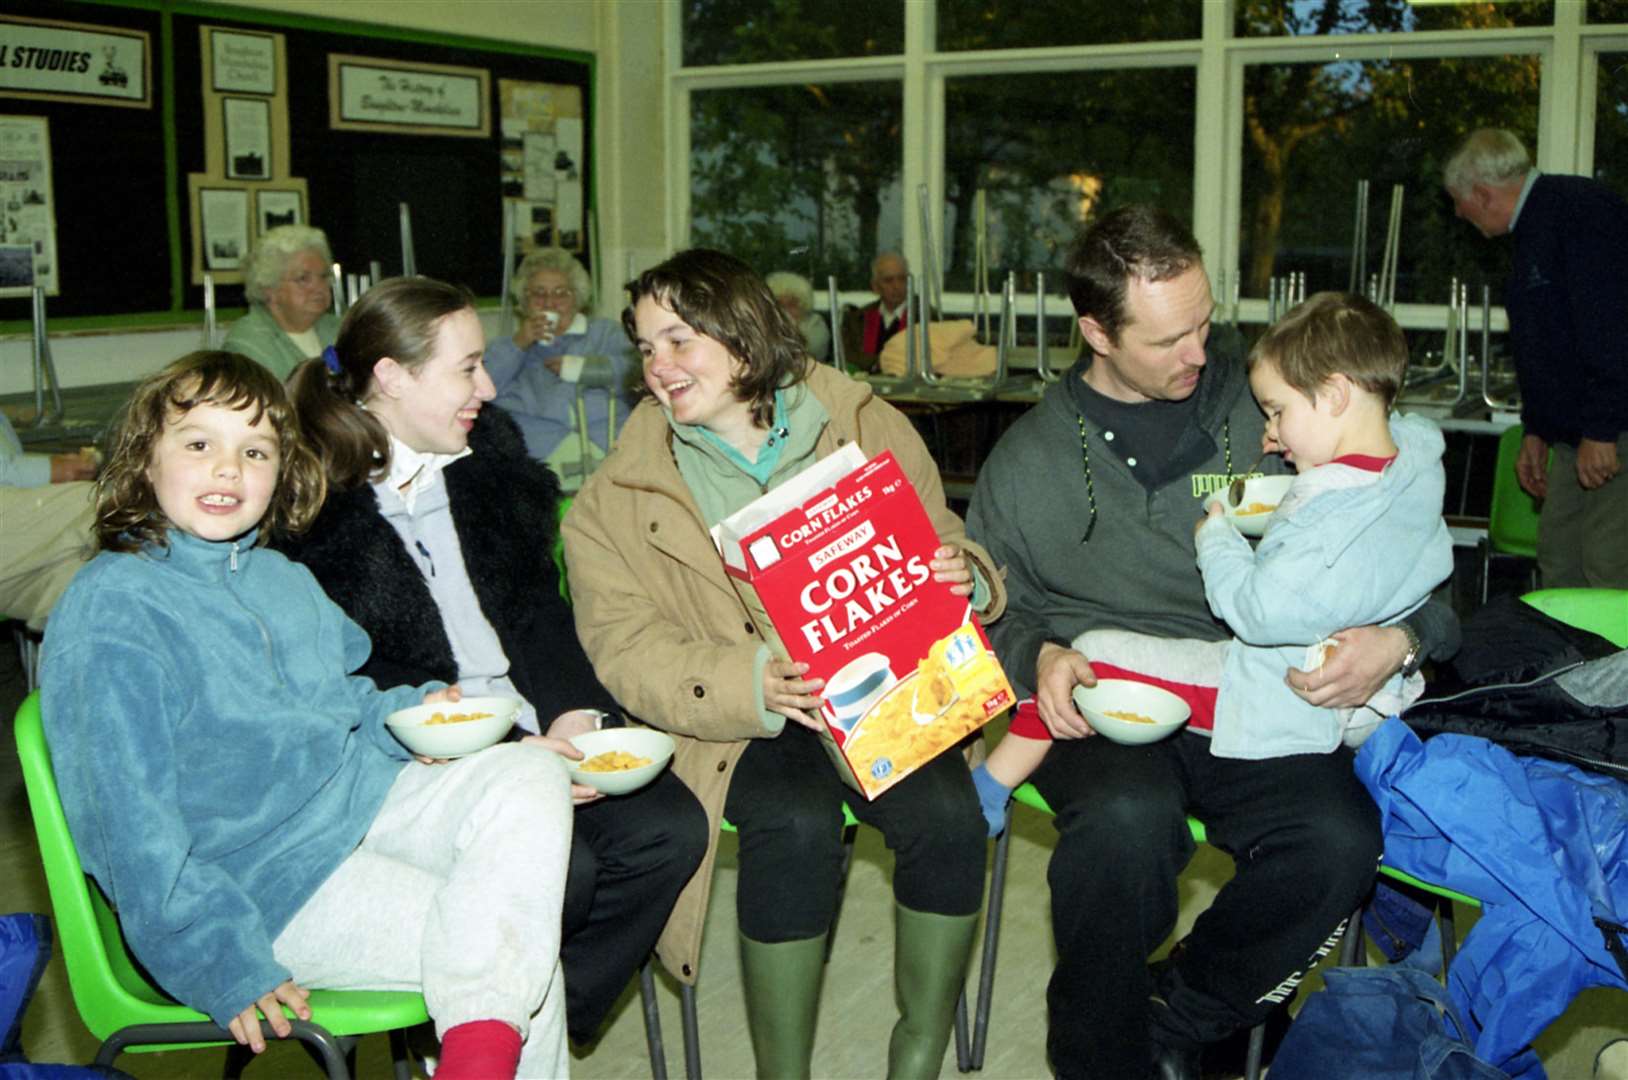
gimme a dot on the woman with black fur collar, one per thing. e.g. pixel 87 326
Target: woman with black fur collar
pixel 436 537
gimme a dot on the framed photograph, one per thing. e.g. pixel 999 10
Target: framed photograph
pixel 365 94
pixel 243 62
pixel 248 138
pixel 223 219
pixel 274 208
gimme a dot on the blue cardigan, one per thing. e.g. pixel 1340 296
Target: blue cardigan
pixel 1567 297
pixel 542 403
pixel 216 761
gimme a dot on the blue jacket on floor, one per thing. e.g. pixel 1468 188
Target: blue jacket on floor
pixel 1542 845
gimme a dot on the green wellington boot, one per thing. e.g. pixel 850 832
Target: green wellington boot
pixel 782 984
pixel 930 955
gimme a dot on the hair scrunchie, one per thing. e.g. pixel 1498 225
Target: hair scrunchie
pixel 330 359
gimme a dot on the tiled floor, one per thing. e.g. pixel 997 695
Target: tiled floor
pixel 857 1007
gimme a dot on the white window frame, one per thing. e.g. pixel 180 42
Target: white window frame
pixel 1565 127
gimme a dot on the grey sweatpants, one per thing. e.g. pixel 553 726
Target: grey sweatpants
pixel 456 889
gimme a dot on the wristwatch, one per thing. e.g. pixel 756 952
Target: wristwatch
pixel 1415 654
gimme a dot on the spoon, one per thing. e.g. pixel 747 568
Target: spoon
pixel 1235 490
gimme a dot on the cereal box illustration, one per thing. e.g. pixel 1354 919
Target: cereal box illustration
pixel 837 562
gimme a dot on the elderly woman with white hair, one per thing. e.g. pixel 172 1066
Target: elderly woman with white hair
pixel 563 377
pixel 290 315
pixel 796 295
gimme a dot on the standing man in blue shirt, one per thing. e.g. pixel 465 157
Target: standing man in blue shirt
pixel 1566 297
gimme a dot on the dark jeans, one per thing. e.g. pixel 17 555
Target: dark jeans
pixel 1304 836
pixel 630 857
pixel 786 801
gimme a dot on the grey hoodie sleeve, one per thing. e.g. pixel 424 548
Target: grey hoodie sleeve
pixel 993 521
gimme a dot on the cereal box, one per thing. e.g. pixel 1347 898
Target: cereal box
pixel 837 560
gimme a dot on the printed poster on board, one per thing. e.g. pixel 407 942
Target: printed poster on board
pixel 541 166
pixel 28 232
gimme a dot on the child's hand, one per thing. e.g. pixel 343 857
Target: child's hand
pixel 1213 510
pixel 245 1026
pixel 950 564
pixel 450 694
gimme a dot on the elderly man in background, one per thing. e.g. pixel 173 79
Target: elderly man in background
pixel 290 315
pixel 794 293
pixel 45 518
pixel 1567 296
pixel 865 330
pixel 564 377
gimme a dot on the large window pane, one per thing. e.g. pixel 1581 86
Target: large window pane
pixel 1023 24
pixel 1051 149
pixel 802 178
pixel 1313 130
pixel 1274 18
pixel 756 31
pixel 1611 122
pixel 1608 11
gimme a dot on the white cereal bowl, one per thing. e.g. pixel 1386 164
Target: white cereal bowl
pixel 640 742
pixel 1258 491
pixel 459 738
pixel 1166 711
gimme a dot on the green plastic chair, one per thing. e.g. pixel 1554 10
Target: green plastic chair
pixel 559 549
pixel 1512 524
pixel 1600 611
pixel 117 1002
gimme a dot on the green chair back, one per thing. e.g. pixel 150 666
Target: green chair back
pixel 1600 611
pixel 559 550
pixel 109 991
pixel 1512 525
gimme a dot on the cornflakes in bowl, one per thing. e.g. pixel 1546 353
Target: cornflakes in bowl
pixel 619 760
pixel 454 729
pixel 1130 712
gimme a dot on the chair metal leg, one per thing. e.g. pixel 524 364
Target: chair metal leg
pixel 1449 932
pixel 150 1034
pixel 963 1043
pixel 652 1019
pixel 692 1033
pixel 1257 1045
pixel 322 1045
pixel 1486 568
pixel 400 1057
pixel 1351 952
pixel 986 965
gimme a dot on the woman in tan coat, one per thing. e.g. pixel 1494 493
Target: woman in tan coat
pixel 736 409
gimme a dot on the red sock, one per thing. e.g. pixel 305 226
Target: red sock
pixel 479 1050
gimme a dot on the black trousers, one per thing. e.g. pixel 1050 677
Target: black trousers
pixel 1304 836
pixel 786 802
pixel 630 857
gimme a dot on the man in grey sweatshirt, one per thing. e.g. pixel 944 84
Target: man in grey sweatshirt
pixel 1089 502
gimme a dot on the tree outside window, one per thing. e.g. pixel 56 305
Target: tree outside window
pixel 802 178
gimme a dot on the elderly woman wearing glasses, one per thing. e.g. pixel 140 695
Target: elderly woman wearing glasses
pixel 290 315
pixel 563 376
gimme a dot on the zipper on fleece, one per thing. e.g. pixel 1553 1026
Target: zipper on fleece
pixel 259 623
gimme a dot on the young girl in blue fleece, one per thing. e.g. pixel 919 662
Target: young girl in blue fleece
pixel 232 787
